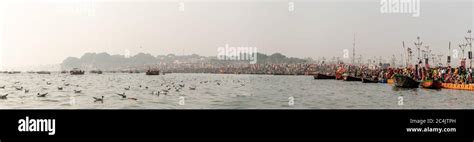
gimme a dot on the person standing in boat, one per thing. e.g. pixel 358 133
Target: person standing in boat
pixel 469 74
pixel 449 75
pixel 423 74
pixel 416 72
pixel 436 74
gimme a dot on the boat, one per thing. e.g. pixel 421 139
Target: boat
pixel 339 76
pixel 63 72
pixel 77 71
pixel 310 73
pixel 279 73
pixel 366 80
pixel 351 78
pixel 382 80
pixel 43 72
pixel 96 71
pixel 430 84
pixel 405 82
pixel 152 72
pixel 14 72
pixel 390 81
pixel 347 77
pixel 323 76
pixel 469 87
pixel 134 71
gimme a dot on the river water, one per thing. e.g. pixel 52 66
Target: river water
pixel 217 91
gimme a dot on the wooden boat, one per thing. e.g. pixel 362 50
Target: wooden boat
pixel 405 82
pixel 77 71
pixel 431 84
pixel 134 71
pixel 323 76
pixel 469 87
pixel 14 72
pixel 311 73
pixel 351 78
pixel 278 73
pixel 43 72
pixel 96 71
pixel 390 81
pixel 339 76
pixel 366 80
pixel 153 72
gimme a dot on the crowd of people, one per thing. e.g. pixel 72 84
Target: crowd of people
pixel 274 69
pixel 458 75
pixel 418 72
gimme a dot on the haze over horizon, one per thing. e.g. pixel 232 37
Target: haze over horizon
pixel 46 32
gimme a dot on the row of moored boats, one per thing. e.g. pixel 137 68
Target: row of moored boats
pixel 401 81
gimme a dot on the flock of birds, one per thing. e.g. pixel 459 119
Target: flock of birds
pixel 165 88
pixel 169 87
pixel 26 91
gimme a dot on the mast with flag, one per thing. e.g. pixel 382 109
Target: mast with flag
pixel 469 42
pixel 448 61
pixel 353 50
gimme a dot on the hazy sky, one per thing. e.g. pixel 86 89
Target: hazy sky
pixel 46 32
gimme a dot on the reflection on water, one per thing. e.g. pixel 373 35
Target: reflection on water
pixel 215 91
